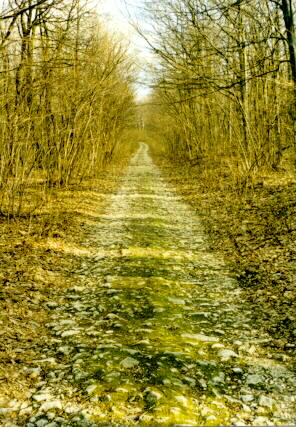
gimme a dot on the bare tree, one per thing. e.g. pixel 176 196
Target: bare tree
pixel 65 96
pixel 223 65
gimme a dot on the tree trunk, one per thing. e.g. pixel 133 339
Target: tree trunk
pixel 288 14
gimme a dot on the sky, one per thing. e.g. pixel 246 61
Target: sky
pixel 115 11
pixel 117 15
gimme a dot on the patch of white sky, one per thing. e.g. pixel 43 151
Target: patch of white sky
pixel 120 16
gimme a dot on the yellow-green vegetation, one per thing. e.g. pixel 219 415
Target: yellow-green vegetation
pixel 221 125
pixel 148 332
pixel 118 304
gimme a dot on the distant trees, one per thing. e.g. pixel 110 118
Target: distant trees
pixel 65 95
pixel 226 79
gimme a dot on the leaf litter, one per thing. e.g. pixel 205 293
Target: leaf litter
pixel 152 328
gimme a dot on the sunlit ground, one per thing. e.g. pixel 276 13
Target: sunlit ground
pixel 153 330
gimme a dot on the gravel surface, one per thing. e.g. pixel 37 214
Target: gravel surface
pixel 153 330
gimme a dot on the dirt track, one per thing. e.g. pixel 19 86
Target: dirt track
pixel 153 330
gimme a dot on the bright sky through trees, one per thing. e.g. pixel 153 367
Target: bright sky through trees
pixel 119 15
pixel 115 13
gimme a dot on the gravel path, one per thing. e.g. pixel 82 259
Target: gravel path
pixel 153 330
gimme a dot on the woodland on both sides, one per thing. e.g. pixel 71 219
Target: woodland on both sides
pixel 220 122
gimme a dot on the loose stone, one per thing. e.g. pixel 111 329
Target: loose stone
pixel 182 400
pixel 200 337
pixel 55 404
pixel 265 401
pixel 129 362
pixel 90 389
pixel 42 422
pixel 226 354
pixel 247 398
pixel 41 397
pixel 70 333
pixel 254 379
pixel 5 411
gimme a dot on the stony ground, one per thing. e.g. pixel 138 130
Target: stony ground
pixel 255 231
pixel 150 327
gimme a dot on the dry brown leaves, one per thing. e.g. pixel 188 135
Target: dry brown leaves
pixel 256 233
pixel 37 256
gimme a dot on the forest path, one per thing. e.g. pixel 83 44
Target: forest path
pixel 154 332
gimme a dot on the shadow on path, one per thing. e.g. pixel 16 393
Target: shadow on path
pixel 155 332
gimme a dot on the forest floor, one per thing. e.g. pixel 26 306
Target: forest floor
pixel 38 255
pixel 121 308
pixel 256 233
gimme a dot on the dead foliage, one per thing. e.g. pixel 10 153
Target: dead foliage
pixel 38 254
pixel 256 233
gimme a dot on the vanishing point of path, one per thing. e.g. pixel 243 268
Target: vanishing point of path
pixel 153 331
